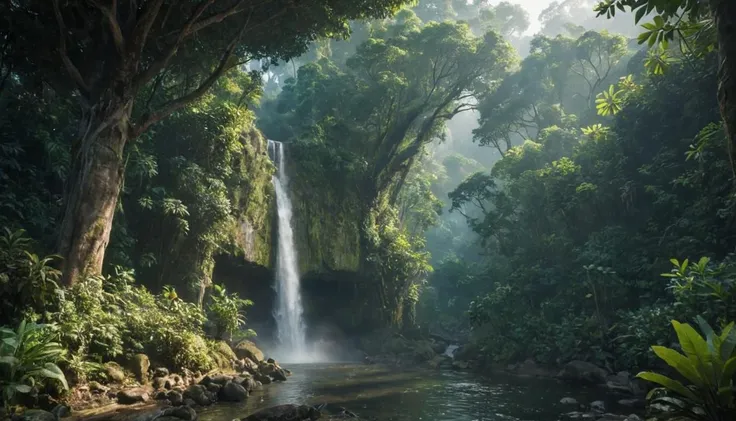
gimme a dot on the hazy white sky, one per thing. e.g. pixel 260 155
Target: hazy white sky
pixel 534 7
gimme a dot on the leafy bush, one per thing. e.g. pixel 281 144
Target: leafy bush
pixel 225 311
pixel 708 364
pixel 28 356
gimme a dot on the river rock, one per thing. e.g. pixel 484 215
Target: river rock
pixel 38 415
pixel 131 396
pixel 262 378
pixel 96 387
pixel 612 417
pixel 198 394
pixel 114 372
pixel 279 375
pixel 183 413
pixel 233 392
pixel 139 365
pixel 633 417
pixel 62 411
pixel 247 349
pixel 568 401
pixel 288 412
pixel 175 397
pixel 249 384
pixel 160 372
pixel 460 365
pixel 633 403
pixel 213 388
pixel 598 406
pixel 160 383
pixel 620 382
pixel 583 372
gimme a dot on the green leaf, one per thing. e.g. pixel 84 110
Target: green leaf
pixel 22 388
pixel 729 369
pixel 640 14
pixel 680 363
pixel 672 385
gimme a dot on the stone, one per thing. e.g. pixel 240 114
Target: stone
pixel 38 415
pixel 247 349
pixel 62 411
pixel 214 388
pixel 612 417
pixel 633 403
pixel 263 378
pixel 131 396
pixel 250 366
pixel 289 412
pixel 266 368
pixel 583 372
pixel 114 372
pixel 620 382
pixel 160 372
pixel 159 382
pixel 249 384
pixel 160 396
pixel 176 379
pixel 189 402
pixel 598 406
pixel 633 417
pixel 271 361
pixel 279 375
pixel 139 365
pixel 96 387
pixel 568 401
pixel 233 392
pixel 198 394
pixel 183 413
pixel 221 379
pixel 175 397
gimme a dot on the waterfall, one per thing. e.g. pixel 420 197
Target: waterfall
pixel 289 323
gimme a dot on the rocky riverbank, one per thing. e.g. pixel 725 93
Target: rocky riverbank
pixel 141 392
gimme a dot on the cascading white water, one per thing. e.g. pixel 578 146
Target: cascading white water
pixel 289 322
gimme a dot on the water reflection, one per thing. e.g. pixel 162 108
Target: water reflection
pixel 389 394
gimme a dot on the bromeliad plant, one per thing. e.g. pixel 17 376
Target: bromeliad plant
pixel 708 364
pixel 28 355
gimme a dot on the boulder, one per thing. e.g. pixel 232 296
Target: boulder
pixel 96 387
pixel 288 412
pixel 249 366
pixel 38 415
pixel 233 392
pixel 271 361
pixel 159 383
pixel 620 382
pixel 279 375
pixel 249 384
pixel 611 417
pixel 62 411
pixel 183 413
pixel 214 388
pixel 598 406
pixel 139 366
pixel 198 394
pixel 460 365
pixel 131 396
pixel 633 417
pixel 247 349
pixel 266 368
pixel 583 372
pixel 175 397
pixel 114 372
pixel 160 372
pixel 262 378
pixel 568 401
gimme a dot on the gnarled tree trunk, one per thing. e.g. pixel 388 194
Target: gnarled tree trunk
pixel 93 188
pixel 724 16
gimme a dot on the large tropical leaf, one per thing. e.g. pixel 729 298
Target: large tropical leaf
pixel 670 384
pixel 681 363
pixel 696 349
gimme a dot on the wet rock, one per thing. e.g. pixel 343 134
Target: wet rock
pixel 633 403
pixel 183 413
pixel 612 417
pixel 577 415
pixel 38 415
pixel 189 402
pixel 568 401
pixel 177 380
pixel 249 384
pixel 633 417
pixel 160 372
pixel 266 368
pixel 114 372
pixel 620 382
pixel 250 366
pixel 289 412
pixel 279 375
pixel 61 411
pixel 213 388
pixel 233 392
pixel 598 406
pixel 131 396
pixel 175 397
pixel 198 394
pixel 139 366
pixel 160 396
pixel 263 378
pixel 583 372
pixel 247 349
pixel 271 361
pixel 530 368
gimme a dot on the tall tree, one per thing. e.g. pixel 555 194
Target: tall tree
pixel 107 53
pixel 671 17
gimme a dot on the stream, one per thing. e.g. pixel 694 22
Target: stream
pixel 385 393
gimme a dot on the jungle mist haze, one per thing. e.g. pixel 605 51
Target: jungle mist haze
pixel 553 193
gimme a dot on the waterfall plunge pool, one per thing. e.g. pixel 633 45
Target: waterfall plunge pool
pixel 391 394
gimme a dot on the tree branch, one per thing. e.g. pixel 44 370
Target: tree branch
pixel 73 71
pixel 112 20
pixel 143 27
pixel 168 108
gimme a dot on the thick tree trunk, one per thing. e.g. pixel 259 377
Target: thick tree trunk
pixel 93 188
pixel 724 15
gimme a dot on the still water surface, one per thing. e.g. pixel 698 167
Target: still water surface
pixel 387 394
